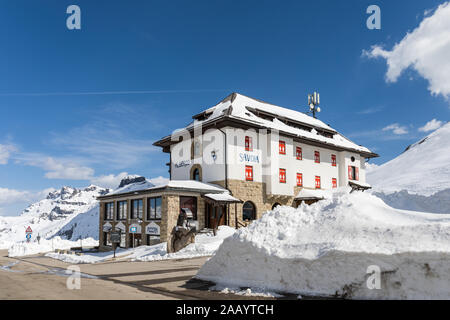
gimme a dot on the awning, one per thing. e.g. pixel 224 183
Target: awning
pixel 356 185
pixel 308 194
pixel 221 198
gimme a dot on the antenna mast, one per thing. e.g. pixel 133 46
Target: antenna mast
pixel 313 103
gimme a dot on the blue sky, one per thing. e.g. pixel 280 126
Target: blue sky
pixel 71 113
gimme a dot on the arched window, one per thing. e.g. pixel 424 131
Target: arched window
pixel 196 174
pixel 276 204
pixel 248 211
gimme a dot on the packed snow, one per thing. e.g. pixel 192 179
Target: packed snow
pixel 46 245
pixel 325 249
pixel 205 245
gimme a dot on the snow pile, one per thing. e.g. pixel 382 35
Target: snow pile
pixel 326 249
pixel 45 245
pixel 205 245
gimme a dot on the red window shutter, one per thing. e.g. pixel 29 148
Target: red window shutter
pixel 282 147
pixel 350 175
pixel 299 153
pixel 317 182
pixel 282 175
pixel 248 144
pixel 299 180
pixel 249 173
pixel 334 183
pixel 333 160
pixel 357 174
pixel 316 156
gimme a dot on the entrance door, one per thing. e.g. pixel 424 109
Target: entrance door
pixel 213 213
pixel 136 237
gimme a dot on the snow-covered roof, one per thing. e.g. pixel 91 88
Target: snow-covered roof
pixel 222 197
pixel 266 115
pixel 308 194
pixel 172 184
pixel 360 184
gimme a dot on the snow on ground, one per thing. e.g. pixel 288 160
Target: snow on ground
pixel 45 245
pixel 325 249
pixel 205 245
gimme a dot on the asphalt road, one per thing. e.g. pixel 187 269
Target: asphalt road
pixel 39 277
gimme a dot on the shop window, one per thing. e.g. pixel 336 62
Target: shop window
pixel 334 183
pixel 282 147
pixel 299 180
pixel 248 144
pixel 154 208
pixel 353 173
pixel 282 175
pixel 248 211
pixel 249 173
pixel 153 239
pixel 121 210
pixel 298 153
pixel 333 160
pixel 317 182
pixel 136 209
pixel 109 211
pixel 189 203
pixel 316 156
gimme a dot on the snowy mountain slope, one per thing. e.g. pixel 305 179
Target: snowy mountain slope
pixel 50 216
pixel 423 168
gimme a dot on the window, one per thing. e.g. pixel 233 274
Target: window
pixel 196 174
pixel 353 173
pixel 299 180
pixel 152 240
pixel 282 175
pixel 136 209
pixel 276 204
pixel 189 203
pixel 334 183
pixel 333 160
pixel 121 210
pixel 317 182
pixel 316 156
pixel 282 147
pixel 298 153
pixel 248 211
pixel 248 144
pixel 109 210
pixel 154 208
pixel 249 173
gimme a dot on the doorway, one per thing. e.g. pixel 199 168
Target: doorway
pixel 137 240
pixel 213 213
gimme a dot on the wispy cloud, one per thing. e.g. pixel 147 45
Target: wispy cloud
pixel 371 110
pixel 5 152
pixel 396 129
pixel 431 126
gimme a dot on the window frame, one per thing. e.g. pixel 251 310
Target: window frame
pixel 141 211
pixel 248 169
pixel 299 153
pixel 280 149
pixel 248 143
pixel 253 213
pixel 118 211
pixel 148 215
pixel 282 173
pixel 333 160
pixel 109 211
pixel 299 175
pixel 316 156
pixel 317 185
pixel 333 183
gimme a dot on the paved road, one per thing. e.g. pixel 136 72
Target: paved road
pixel 39 277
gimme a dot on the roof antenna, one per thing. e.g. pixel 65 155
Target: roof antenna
pixel 313 102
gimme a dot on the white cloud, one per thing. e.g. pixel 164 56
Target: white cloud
pixel 5 152
pixel 159 180
pixel 396 129
pixel 109 181
pixel 431 125
pixel 426 49
pixel 10 196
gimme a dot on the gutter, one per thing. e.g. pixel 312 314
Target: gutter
pixel 225 158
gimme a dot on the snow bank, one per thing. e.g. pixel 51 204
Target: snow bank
pixel 326 248
pixel 25 249
pixel 205 245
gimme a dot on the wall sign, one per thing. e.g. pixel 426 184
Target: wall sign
pixel 245 157
pixel 184 163
pixel 152 228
